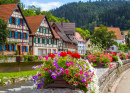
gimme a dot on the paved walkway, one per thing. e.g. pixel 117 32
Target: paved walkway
pixel 124 84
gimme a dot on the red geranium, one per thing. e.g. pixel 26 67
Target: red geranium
pixel 63 54
pixel 75 55
pixel 69 52
pixel 51 55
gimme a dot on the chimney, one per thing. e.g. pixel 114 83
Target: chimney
pixel 61 23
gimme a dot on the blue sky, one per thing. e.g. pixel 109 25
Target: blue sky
pixel 49 4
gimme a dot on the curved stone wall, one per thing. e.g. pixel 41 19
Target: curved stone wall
pixel 109 76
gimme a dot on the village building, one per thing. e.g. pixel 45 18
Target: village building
pixel 81 44
pixel 66 31
pixel 19 30
pixel 42 40
pixel 119 38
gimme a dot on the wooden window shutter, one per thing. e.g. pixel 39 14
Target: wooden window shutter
pixel 14 47
pixel 10 20
pixel 4 47
pixel 0 48
pixel 47 41
pixel 9 47
pixel 26 35
pixel 21 35
pixel 18 21
pixel 34 39
pixel 39 40
pixel 15 21
pixel 10 33
pixel 45 30
pixel 15 34
pixel 43 41
pixel 26 48
pixel 23 22
pixel 39 29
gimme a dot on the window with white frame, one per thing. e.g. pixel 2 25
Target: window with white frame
pixel 49 41
pixel 46 30
pixel 54 51
pixel 40 40
pixel 39 51
pixel 49 51
pixel 44 51
pixel 41 30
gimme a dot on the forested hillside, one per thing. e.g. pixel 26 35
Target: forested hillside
pixel 86 15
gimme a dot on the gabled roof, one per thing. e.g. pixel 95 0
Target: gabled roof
pixel 78 37
pixel 55 34
pixel 67 28
pixel 63 27
pixel 34 22
pixel 116 29
pixel 7 10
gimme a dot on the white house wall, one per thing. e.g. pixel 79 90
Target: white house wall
pixel 116 48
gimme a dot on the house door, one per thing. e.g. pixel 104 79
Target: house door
pixel 19 49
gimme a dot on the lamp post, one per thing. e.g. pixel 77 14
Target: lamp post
pixel 22 37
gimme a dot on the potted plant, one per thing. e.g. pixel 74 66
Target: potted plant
pixel 63 70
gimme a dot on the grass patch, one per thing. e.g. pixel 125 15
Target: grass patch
pixel 16 75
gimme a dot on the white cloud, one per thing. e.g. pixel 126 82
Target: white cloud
pixel 44 6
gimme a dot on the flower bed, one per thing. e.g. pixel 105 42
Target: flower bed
pixel 100 59
pixel 75 72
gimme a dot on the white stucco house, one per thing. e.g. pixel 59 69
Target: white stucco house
pixel 81 44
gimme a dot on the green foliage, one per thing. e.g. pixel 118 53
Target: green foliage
pixel 84 33
pixel 122 56
pixel 104 37
pixel 122 33
pixel 122 48
pixel 8 1
pixel 91 14
pixel 10 42
pixel 15 75
pixel 4 33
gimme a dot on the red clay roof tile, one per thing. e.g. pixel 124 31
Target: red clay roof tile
pixel 7 10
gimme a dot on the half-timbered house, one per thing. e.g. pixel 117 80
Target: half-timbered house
pixel 66 31
pixel 19 30
pixel 43 40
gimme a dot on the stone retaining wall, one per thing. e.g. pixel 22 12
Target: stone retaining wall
pixel 106 80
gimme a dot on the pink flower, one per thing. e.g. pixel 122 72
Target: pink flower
pixel 76 75
pixel 40 57
pixel 94 60
pixel 76 83
pixel 46 58
pixel 66 71
pixel 71 63
pixel 80 72
pixel 89 79
pixel 86 85
pixel 106 63
pixel 85 81
pixel 68 64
